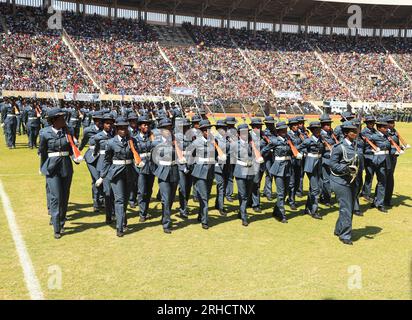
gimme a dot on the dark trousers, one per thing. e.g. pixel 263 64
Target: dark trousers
pixel 185 186
pixel 256 189
pixel 145 186
pixel 204 187
pixel 230 179
pixel 10 132
pixel 294 182
pixel 382 173
pixel 346 199
pixel 167 193
pixel 120 186
pixel 108 199
pixel 326 193
pixel 134 188
pixel 312 202
pixel 369 172
pixel 97 192
pixel 267 189
pixel 282 183
pixel 33 133
pixel 244 189
pixel 390 183
pixel 221 182
pixel 58 192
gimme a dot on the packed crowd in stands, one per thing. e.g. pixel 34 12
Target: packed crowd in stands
pixel 34 57
pixel 123 54
pixel 125 58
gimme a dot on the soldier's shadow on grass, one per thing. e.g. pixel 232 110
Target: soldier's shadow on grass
pixel 399 200
pixel 368 232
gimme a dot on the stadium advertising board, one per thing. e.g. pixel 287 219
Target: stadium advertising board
pixel 87 97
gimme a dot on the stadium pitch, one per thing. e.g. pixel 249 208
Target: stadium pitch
pixel 267 260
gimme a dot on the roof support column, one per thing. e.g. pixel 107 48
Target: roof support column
pixel 222 23
pixel 254 26
pixel 84 10
pixel 13 2
pixel 77 6
pixel 115 9
pixel 196 20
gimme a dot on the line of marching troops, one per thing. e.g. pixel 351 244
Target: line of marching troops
pixel 129 148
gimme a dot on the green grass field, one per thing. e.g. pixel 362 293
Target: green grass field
pixel 267 260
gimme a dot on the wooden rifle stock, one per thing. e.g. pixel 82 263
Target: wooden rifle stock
pixel 402 141
pixel 295 151
pixel 76 152
pixel 38 111
pixel 373 146
pixel 136 155
pixel 395 145
pixel 335 138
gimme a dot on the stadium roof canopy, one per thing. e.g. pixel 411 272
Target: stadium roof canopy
pixel 375 13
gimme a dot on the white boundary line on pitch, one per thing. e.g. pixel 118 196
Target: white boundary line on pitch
pixel 32 283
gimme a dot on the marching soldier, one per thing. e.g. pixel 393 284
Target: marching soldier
pixel 56 145
pixel 118 169
pixel 9 121
pixel 294 181
pixel 345 116
pixel 232 140
pixel 167 171
pixel 313 148
pixel 91 160
pixel 203 169
pixel 193 134
pixel 32 116
pixel 281 169
pixel 101 139
pixel 221 169
pixel 134 132
pixel 245 170
pixel 269 132
pixel 343 164
pixel 185 176
pixel 256 135
pixel 360 146
pixel 382 163
pixel 304 134
pixel 145 174
pixel 329 142
pixel 367 133
pixel 392 133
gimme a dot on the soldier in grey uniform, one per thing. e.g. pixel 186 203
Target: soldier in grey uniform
pixel 185 177
pixel 313 149
pixel 91 160
pixel 394 158
pixel 221 169
pixel 133 131
pixel 345 116
pixel 31 116
pixel 145 175
pixel 56 165
pixel 9 121
pixel 245 169
pixel 167 171
pixel 281 169
pixel 329 142
pixel 297 139
pixel 203 171
pixel 256 135
pixel 343 165
pixel 269 132
pixel 118 169
pixel 382 163
pixel 232 140
pixel 101 139
pixel 368 155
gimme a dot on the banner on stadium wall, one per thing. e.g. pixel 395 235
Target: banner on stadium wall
pixel 88 97
pixel 146 98
pixel 289 95
pixel 183 91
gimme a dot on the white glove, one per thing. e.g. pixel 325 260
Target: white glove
pixel 2 125
pixel 222 158
pixel 141 164
pixel 353 169
pixel 99 182
pixel 40 173
pixel 299 156
pixel 78 160
pixel 407 146
pixel 377 149
pixel 260 160
pixel 182 161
